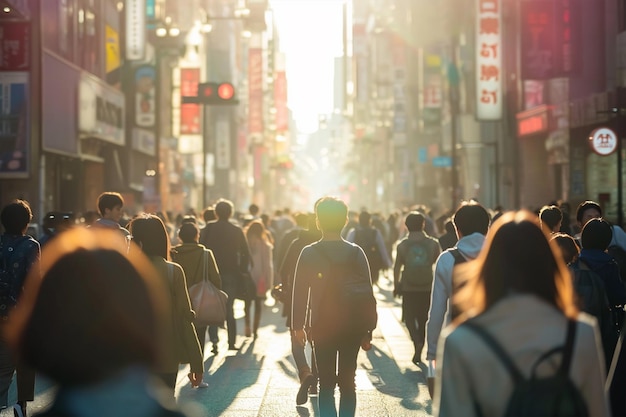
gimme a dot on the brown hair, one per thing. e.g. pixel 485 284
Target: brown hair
pixel 148 231
pixel 517 256
pixel 96 311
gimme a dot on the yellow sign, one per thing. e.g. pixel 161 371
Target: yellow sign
pixel 112 49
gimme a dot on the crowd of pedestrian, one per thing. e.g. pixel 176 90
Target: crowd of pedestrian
pixel 494 299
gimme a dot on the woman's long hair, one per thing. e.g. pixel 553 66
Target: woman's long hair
pixel 256 230
pixel 517 258
pixel 148 231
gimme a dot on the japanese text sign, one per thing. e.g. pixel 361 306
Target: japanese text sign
pixel 488 60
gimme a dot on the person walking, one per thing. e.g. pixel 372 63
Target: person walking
pixel 262 273
pixel 307 374
pixel 110 207
pixel 471 222
pixel 518 303
pixel 413 277
pixel 93 326
pixel 320 295
pixel 150 235
pixel 228 243
pixel 199 264
pixel 373 244
pixel 19 253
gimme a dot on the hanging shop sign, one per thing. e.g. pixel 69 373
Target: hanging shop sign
pixel 101 110
pixel 603 141
pixel 488 60
pixel 135 29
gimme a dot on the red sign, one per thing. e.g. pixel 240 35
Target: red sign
pixel 255 91
pixel 280 102
pixel 14 46
pixel 533 121
pixel 190 114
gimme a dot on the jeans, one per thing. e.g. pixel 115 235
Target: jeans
pixel 336 365
pixel 24 374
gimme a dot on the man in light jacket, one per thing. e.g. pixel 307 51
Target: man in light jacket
pixel 471 222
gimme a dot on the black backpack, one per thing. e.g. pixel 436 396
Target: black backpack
pixel 417 273
pixel 554 395
pixel 348 303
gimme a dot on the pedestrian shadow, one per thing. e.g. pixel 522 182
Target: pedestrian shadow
pixel 228 383
pixel 389 379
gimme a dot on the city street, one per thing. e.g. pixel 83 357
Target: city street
pixel 261 379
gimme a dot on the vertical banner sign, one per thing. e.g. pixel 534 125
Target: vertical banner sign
pixel 280 102
pixel 145 90
pixel 255 91
pixel 14 46
pixel 135 29
pixel 190 114
pixel 538 59
pixel 568 23
pixel 14 137
pixel 488 60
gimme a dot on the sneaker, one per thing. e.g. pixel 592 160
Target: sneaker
pixel 202 385
pixel 19 411
pixel 303 392
pixel 233 347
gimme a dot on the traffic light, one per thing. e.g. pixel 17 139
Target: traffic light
pixel 217 94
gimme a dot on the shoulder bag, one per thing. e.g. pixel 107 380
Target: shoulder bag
pixel 207 300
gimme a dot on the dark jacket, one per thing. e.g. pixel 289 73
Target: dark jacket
pixel 230 248
pixel 605 266
pixel 288 268
pixel 310 265
pixel 191 257
pixel 18 254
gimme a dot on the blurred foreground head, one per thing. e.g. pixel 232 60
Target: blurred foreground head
pixel 94 313
pixel 517 257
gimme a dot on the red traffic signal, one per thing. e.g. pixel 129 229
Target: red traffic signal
pixel 216 94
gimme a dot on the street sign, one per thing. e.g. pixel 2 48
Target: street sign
pixel 603 141
pixel 442 161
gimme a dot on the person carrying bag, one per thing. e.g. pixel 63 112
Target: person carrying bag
pixel 208 301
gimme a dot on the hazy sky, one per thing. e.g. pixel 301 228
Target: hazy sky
pixel 311 37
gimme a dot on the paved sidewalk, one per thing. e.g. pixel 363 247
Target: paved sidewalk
pixel 261 379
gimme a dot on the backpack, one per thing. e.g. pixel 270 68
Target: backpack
pixel 619 255
pixel 554 395
pixel 417 274
pixel 592 299
pixel 348 303
pixel 10 283
pixel 458 259
pixel 366 239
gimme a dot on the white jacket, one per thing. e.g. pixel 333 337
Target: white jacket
pixel 526 327
pixel 439 311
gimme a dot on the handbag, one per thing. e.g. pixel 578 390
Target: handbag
pixel 207 300
pixel 246 287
